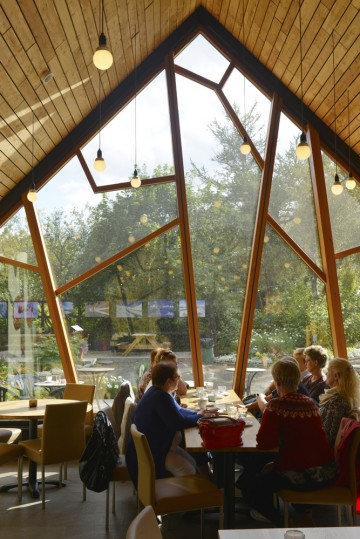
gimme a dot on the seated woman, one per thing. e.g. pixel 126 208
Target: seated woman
pixel 160 417
pixel 156 356
pixel 342 397
pixel 291 423
pixel 316 359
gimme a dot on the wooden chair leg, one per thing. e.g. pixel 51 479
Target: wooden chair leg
pixel 113 497
pixel 20 474
pixel 43 486
pixel 107 508
pixel 286 514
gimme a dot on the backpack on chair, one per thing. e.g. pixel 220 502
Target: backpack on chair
pixel 101 455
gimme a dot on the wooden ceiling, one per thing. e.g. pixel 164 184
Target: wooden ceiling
pixel 60 36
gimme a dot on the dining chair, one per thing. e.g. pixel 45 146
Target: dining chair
pixel 173 494
pixel 339 495
pixel 120 472
pixel 63 438
pixel 144 526
pixel 10 451
pixel 9 435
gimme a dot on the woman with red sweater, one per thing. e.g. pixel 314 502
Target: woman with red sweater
pixel 291 423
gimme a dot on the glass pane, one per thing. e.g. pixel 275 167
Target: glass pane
pixel 202 58
pixel 291 308
pixel 15 239
pixel 253 110
pixel 291 199
pixel 222 198
pixel 128 309
pixel 28 350
pixel 344 209
pixel 89 228
pixel 153 137
pixel 349 284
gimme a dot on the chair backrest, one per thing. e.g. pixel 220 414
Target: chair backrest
pixel 146 468
pixel 127 419
pixel 63 437
pixel 347 448
pixel 118 406
pixel 144 526
pixel 81 392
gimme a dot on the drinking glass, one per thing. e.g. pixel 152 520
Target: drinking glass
pixel 294 534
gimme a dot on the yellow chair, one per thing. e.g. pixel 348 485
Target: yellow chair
pixel 8 452
pixel 331 495
pixel 144 526
pixel 120 473
pixel 79 392
pixel 63 438
pixel 172 494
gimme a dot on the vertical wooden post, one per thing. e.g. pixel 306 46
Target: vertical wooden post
pixel 52 300
pixel 257 249
pixel 189 281
pixel 327 246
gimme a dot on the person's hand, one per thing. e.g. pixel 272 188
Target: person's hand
pixel 261 401
pixel 184 405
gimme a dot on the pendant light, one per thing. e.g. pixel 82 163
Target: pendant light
pixel 99 163
pixel 303 150
pixel 245 147
pixel 350 182
pixel 337 187
pixel 135 180
pixel 102 58
pixel 32 194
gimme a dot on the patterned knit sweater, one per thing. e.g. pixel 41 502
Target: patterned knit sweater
pixel 293 424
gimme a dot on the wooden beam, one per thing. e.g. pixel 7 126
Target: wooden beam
pixel 189 281
pixel 48 283
pixel 327 246
pixel 257 249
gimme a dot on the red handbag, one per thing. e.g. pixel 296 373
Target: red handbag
pixel 224 431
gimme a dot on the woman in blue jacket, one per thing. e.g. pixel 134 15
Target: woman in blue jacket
pixel 160 417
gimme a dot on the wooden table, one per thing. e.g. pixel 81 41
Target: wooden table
pixel 223 457
pixel 278 533
pixel 19 409
pixel 145 341
pixel 52 387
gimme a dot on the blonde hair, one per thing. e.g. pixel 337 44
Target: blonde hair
pixel 164 354
pixel 153 355
pixel 286 373
pixel 348 384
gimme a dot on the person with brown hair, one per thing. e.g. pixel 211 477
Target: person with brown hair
pixel 160 418
pixel 316 359
pixel 157 356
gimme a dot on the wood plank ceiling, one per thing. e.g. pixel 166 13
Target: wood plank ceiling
pixel 60 36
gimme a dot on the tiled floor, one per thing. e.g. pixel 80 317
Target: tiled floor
pixel 67 517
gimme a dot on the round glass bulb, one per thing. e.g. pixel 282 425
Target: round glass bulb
pixel 245 148
pixel 99 163
pixel 337 187
pixel 303 150
pixel 32 195
pixel 102 58
pixel 135 181
pixel 350 182
pixel 143 218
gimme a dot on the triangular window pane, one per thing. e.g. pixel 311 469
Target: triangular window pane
pixel 291 307
pixel 291 199
pixel 86 228
pixel 202 58
pixel 253 111
pixel 153 138
pixel 15 239
pixel 344 209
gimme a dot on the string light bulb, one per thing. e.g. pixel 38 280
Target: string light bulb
pixel 102 58
pixel 337 187
pixel 245 147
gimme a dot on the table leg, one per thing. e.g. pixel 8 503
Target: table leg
pixel 224 477
pixel 132 346
pixel 32 481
